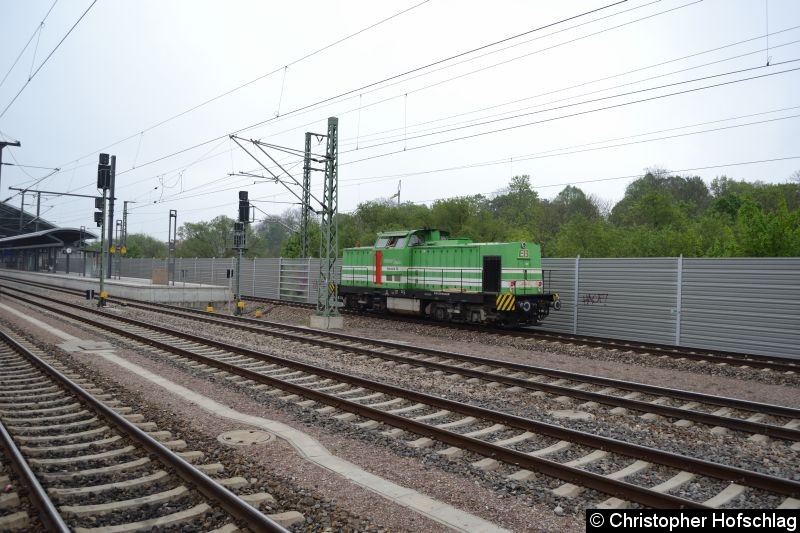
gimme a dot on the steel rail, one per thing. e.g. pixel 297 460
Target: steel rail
pixel 47 510
pixel 234 505
pixel 570 474
pixel 770 430
pixel 258 326
pixel 782 364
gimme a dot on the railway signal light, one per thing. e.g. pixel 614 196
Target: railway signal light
pixel 244 207
pixel 98 215
pixel 103 172
pixel 238 235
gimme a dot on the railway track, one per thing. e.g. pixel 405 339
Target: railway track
pixel 89 464
pixel 718 357
pixel 576 459
pixel 683 407
pixel 787 365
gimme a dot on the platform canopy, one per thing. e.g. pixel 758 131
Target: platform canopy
pixel 13 222
pixel 53 237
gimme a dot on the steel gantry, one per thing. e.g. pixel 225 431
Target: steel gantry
pixel 327 292
pixel 305 206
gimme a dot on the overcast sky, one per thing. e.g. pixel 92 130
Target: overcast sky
pixel 129 66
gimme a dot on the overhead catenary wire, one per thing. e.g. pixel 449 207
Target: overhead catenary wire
pixel 525 157
pixel 352 91
pixel 29 166
pixel 257 79
pixel 581 148
pixel 405 125
pixel 36 32
pixel 360 146
pixel 566 150
pixel 438 83
pixel 46 59
pixel 594 100
pixel 581 181
pixel 428 72
pixel 458 55
pixel 570 115
pixel 563 89
pixel 551 91
pixel 541 50
pixel 572 148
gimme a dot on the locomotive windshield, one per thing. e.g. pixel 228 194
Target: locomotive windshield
pixel 391 241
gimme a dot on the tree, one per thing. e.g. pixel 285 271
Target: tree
pixel 584 237
pixel 690 194
pixel 659 215
pixel 455 214
pixel 206 239
pixel 654 209
pixel 767 234
pixel 141 245
pixel 517 206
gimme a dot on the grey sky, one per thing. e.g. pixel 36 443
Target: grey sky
pixel 129 65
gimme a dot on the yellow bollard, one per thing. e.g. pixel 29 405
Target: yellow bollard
pixel 210 308
pixel 258 313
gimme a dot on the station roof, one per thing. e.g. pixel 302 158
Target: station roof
pixel 11 223
pixel 53 237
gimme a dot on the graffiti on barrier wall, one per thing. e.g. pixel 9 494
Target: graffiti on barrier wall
pixel 595 298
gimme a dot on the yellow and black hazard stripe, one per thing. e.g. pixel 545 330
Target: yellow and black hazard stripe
pixel 331 288
pixel 506 302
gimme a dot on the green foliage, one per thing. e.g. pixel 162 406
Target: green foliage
pixel 760 232
pixel 141 245
pixel 206 239
pixel 659 216
pixel 215 239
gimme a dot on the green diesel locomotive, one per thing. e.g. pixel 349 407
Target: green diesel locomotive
pixel 425 272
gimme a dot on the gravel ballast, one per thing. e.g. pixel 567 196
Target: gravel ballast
pixel 407 471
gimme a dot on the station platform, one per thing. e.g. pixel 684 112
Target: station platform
pixel 137 288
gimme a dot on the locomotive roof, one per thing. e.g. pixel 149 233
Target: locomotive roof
pixel 404 232
pixel 395 233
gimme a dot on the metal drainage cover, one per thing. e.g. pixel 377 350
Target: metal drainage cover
pixel 245 437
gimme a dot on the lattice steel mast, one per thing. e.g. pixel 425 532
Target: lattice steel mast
pixel 327 292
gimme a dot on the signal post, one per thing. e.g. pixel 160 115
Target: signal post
pixel 104 180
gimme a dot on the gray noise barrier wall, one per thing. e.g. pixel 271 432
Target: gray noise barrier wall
pixel 747 305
